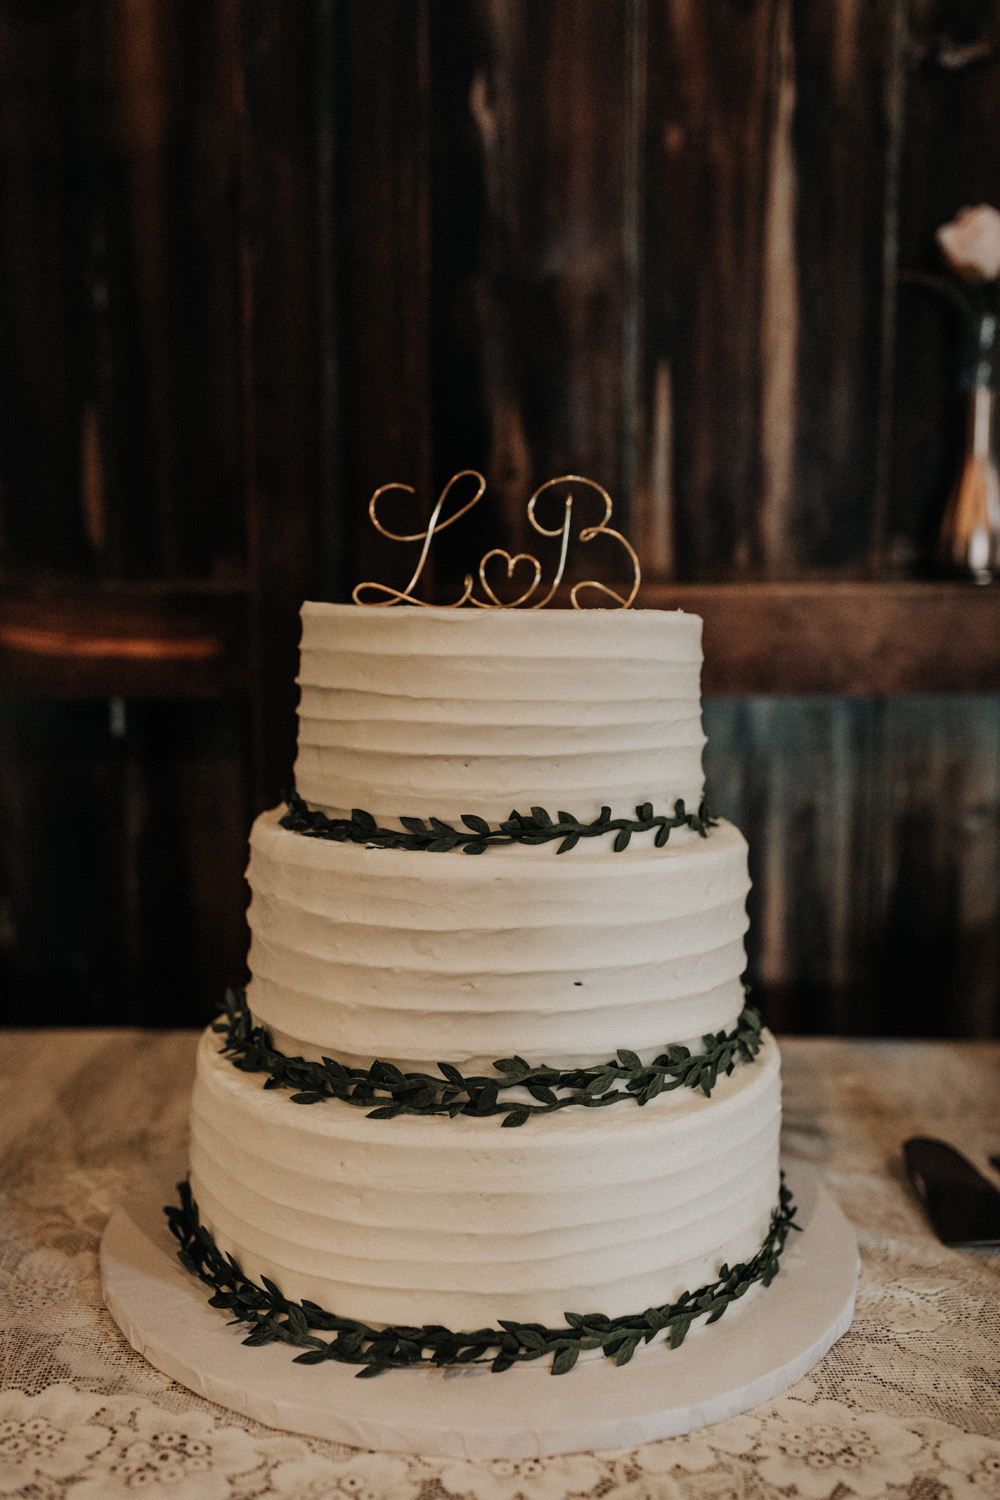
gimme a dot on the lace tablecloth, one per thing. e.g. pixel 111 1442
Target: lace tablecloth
pixel 906 1405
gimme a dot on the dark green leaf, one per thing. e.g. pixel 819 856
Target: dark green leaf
pixel 565 1360
pixel 540 1092
pixel 312 1357
pixel 679 1332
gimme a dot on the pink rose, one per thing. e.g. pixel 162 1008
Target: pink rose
pixel 971 243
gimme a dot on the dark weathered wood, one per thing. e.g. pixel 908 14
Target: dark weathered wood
pixel 41 432
pixel 764 279
pixel 540 315
pixel 261 258
pixel 842 638
pixel 875 854
pixel 281 348
pixel 386 261
pixel 842 145
pixel 118 431
pixel 711 108
pixel 940 867
pixel 121 866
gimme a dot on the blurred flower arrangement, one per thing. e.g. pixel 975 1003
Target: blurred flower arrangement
pixel 969 542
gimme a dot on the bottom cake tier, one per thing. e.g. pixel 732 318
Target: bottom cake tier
pixel 460 1222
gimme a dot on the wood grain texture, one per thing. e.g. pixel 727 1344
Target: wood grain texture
pixel 874 834
pixel 386 331
pixel 126 642
pixel 40 409
pixel 260 258
pixel 844 638
pixel 118 424
pixel 843 140
pixel 281 352
pixel 767 218
pixel 545 305
pixel 122 860
pixel 710 129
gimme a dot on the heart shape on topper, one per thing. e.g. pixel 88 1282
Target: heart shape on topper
pixel 512 562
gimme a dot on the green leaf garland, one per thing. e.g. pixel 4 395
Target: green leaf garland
pixel 437 837
pixel 273 1318
pixel 387 1092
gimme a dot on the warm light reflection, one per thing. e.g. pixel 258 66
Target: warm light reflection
pixel 44 642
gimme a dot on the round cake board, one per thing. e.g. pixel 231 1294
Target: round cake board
pixel 758 1348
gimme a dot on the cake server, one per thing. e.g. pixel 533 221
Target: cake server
pixel 962 1205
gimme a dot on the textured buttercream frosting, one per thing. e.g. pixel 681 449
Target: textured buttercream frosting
pixel 411 712
pixel 416 957
pixel 430 1220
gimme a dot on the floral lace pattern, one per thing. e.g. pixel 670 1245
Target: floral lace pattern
pixel 906 1406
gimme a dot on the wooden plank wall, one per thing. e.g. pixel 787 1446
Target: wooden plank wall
pixel 162 475
pixel 663 251
pixel 261 256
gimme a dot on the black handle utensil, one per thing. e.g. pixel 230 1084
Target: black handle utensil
pixel 963 1207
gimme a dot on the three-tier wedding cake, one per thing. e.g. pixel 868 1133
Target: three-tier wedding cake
pixel 579 979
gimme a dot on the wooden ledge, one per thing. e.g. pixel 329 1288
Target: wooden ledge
pixel 844 639
pixel 127 642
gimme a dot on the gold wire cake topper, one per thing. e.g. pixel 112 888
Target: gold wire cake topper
pixel 387 595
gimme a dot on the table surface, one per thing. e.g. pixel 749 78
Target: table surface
pixel 907 1405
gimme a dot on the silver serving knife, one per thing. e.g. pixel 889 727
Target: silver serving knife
pixel 962 1205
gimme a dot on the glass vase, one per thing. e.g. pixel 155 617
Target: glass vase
pixel 969 542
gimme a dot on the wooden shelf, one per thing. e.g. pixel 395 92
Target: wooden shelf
pixel 844 639
pixel 129 641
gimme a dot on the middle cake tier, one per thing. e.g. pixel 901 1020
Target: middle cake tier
pixel 417 958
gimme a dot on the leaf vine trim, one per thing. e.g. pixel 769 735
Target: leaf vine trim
pixel 276 1319
pixel 438 837
pixel 386 1091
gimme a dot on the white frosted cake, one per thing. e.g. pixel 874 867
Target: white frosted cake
pixel 594 955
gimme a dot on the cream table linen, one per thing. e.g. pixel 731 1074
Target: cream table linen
pixel 906 1406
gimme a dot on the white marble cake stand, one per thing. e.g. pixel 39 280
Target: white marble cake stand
pixel 760 1347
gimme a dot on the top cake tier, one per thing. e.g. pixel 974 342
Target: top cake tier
pixel 438 712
